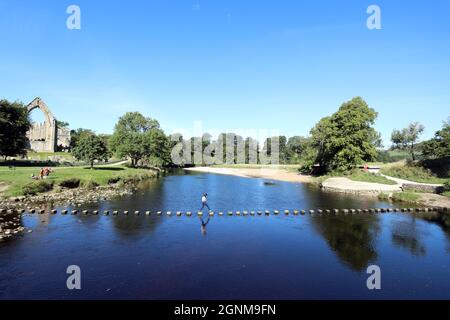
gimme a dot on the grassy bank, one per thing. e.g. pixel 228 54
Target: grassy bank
pixel 412 173
pixel 409 197
pixel 359 175
pixel 19 181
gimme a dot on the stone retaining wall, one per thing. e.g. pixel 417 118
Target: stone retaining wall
pixel 423 188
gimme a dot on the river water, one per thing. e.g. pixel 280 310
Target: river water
pixel 247 257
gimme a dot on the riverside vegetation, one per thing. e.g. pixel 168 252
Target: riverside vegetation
pixel 337 145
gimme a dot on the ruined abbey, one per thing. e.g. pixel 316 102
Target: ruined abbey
pixel 46 136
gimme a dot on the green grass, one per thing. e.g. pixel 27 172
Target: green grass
pixel 49 155
pixel 383 196
pixel 446 193
pixel 358 175
pixel 398 155
pixel 412 173
pixel 20 177
pixel 405 197
pixel 410 197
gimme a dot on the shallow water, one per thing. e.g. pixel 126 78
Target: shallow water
pixel 275 257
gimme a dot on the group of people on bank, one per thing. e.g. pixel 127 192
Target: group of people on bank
pixel 44 173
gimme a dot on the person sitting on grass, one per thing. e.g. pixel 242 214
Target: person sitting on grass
pixel 46 172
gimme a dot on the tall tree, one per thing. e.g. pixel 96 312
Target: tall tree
pixel 159 155
pixel 137 137
pixel 90 148
pixel 346 138
pixel 76 135
pixel 14 124
pixel 407 138
pixel 439 146
pixel 295 148
pixel 251 151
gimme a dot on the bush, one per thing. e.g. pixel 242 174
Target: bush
pixel 447 185
pixel 114 180
pixel 70 183
pixel 439 167
pixel 36 187
pixel 383 196
pixel 90 184
pixel 409 197
pixel 392 156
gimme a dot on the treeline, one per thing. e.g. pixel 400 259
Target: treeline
pixel 14 124
pixel 339 142
pixel 336 143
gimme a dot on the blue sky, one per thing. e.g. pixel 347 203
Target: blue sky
pixel 262 64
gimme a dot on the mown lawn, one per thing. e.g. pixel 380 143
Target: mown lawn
pixel 19 177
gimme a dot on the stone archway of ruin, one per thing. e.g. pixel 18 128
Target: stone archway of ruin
pixel 39 104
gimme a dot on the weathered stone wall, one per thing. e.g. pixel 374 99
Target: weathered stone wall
pixel 46 137
pixel 423 188
pixel 63 136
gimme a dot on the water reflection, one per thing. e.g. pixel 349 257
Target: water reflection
pixel 441 219
pixel 351 237
pixel 237 258
pixel 203 225
pixel 135 225
pixel 406 234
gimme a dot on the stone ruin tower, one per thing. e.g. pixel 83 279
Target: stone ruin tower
pixel 46 136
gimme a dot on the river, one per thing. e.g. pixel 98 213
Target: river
pixel 238 257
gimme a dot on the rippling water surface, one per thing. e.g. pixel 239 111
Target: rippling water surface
pixel 275 257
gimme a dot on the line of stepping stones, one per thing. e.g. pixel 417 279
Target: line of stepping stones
pixel 223 213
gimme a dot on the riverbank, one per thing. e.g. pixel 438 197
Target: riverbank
pixel 345 185
pixel 335 184
pixel 68 184
pixel 263 172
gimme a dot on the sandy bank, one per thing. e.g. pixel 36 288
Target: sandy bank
pixel 264 173
pixel 345 185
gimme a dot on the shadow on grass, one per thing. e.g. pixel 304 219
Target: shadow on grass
pixel 105 168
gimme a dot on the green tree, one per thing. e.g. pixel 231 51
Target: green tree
pixel 178 150
pixel 295 148
pixel 159 155
pixel 76 135
pixel 346 138
pixel 407 138
pixel 139 138
pixel 62 124
pixel 439 146
pixel 14 124
pixel 90 148
pixel 251 151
